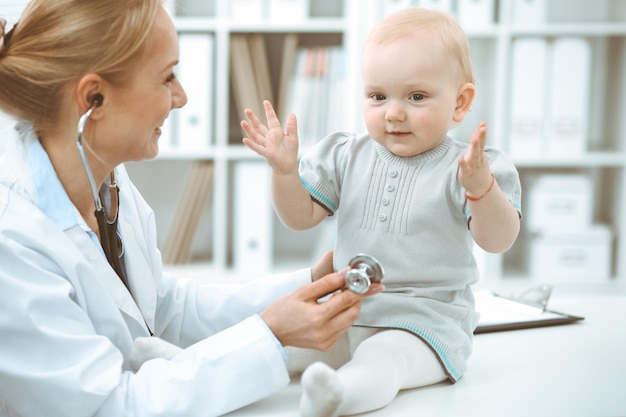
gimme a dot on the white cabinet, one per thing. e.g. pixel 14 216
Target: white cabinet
pixel 598 82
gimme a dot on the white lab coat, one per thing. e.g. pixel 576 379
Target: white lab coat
pixel 67 323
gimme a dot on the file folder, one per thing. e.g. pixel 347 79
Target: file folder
pixel 527 100
pixel 195 73
pixel 570 81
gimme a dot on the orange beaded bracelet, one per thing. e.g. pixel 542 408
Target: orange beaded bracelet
pixel 470 198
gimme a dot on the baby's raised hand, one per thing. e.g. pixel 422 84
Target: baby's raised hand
pixel 279 147
pixel 474 173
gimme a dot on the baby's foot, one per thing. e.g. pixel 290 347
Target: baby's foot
pixel 321 392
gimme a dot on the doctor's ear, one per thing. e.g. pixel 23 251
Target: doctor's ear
pixel 90 93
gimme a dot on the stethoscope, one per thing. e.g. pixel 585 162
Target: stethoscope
pixel 107 224
pixel 110 238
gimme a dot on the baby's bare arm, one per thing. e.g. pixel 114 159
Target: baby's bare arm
pixel 279 147
pixel 495 222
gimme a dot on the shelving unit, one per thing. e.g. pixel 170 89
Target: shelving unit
pixel 327 25
pixel 602 23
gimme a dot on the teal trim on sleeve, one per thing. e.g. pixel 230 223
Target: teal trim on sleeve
pixel 318 196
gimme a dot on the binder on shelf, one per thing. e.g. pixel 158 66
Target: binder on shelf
pixel 288 61
pixel 258 54
pixel 196 72
pixel 476 14
pixel 243 81
pixel 569 93
pixel 177 248
pixel 529 12
pixel 528 80
pixel 288 10
pixel 337 92
pixel 317 89
pixel 252 221
pixel 299 88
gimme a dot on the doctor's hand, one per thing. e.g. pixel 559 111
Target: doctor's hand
pixel 298 319
pixel 323 267
pixel 279 147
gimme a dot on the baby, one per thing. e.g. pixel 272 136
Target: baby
pixel 408 195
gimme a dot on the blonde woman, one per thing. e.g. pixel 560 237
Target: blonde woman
pixel 91 83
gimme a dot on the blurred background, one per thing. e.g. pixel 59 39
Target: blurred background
pixel 550 78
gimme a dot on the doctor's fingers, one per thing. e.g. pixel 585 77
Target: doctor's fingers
pixel 342 305
pixel 338 314
pixel 324 285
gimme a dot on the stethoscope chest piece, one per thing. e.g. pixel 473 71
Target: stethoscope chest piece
pixel 364 269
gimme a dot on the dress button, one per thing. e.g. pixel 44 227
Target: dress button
pixel 382 217
pixel 390 187
pixel 385 201
pixel 393 173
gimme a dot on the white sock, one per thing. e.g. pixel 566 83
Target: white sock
pixel 322 393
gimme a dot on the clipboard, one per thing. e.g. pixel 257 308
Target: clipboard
pixel 499 313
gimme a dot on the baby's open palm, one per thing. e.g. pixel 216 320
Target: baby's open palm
pixel 474 172
pixel 279 147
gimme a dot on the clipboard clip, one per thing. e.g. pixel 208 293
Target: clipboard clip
pixel 537 296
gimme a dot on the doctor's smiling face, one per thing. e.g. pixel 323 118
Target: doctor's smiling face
pixel 133 112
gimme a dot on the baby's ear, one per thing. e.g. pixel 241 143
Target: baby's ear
pixel 464 100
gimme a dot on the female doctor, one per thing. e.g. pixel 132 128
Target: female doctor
pixel 91 83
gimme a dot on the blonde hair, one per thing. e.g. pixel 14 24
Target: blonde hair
pixel 56 42
pixel 416 20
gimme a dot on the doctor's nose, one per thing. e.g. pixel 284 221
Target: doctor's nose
pixel 179 97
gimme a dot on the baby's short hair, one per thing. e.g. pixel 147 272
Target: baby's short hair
pixel 417 20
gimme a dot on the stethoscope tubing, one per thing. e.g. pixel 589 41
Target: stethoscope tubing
pixel 79 143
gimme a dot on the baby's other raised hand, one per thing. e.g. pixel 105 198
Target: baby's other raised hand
pixel 279 147
pixel 474 173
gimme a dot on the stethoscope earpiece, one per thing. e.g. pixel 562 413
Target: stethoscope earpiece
pixel 97 100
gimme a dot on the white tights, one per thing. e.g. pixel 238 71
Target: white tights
pixel 373 366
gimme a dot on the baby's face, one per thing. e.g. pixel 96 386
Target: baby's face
pixel 410 89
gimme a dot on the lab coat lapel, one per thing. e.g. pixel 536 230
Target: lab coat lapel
pixel 106 275
pixel 139 273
